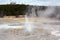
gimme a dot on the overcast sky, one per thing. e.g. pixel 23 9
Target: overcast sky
pixel 32 2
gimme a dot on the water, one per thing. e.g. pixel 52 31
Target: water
pixel 28 24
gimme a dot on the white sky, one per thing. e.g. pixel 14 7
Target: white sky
pixel 32 2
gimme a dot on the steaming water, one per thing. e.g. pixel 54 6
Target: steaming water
pixel 49 12
pixel 28 24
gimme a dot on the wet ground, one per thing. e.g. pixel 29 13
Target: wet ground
pixel 41 31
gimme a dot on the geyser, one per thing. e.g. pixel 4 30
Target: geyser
pixel 28 24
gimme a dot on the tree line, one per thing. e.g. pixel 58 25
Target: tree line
pixel 13 9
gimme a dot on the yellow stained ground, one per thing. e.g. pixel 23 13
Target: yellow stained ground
pixel 32 19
